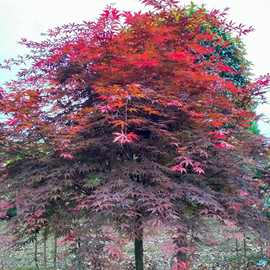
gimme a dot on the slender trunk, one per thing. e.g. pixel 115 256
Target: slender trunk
pixel 55 252
pixel 237 254
pixel 138 246
pixel 261 246
pixel 245 250
pixel 45 248
pixel 180 242
pixel 78 255
pixel 36 251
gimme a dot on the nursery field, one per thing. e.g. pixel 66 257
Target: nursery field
pixel 218 249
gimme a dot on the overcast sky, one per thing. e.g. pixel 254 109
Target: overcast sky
pixel 29 18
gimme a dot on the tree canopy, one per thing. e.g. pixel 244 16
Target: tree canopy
pixel 133 119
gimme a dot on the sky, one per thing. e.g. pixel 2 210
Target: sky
pixel 29 18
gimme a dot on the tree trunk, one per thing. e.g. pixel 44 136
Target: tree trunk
pixel 245 250
pixel 180 240
pixel 55 252
pixel 45 248
pixel 261 246
pixel 79 258
pixel 36 251
pixel 138 246
pixel 237 254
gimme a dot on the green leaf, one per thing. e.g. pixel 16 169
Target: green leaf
pixel 92 181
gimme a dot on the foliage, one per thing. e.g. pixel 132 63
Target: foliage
pixel 133 120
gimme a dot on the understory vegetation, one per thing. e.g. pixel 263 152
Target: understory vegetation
pixel 219 248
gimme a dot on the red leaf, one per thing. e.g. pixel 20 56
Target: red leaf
pixel 224 145
pixel 179 56
pixel 218 135
pixel 179 168
pixel 144 60
pixel 224 68
pixel 122 137
pixel 232 88
pixel 67 156
pixel 198 170
pixel 186 162
pixel 205 37
pixel 235 206
pixel 12 122
pixel 200 49
pixel 243 193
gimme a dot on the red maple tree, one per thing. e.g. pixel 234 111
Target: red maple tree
pixel 135 117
